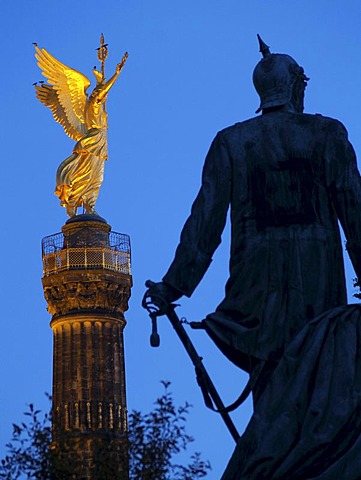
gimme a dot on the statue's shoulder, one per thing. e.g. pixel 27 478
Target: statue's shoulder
pixel 322 120
pixel 250 122
pixel 237 128
pixel 281 118
pixel 315 124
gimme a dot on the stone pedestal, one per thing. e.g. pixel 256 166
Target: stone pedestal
pixel 87 285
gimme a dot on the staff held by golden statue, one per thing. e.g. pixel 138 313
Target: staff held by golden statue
pixel 84 119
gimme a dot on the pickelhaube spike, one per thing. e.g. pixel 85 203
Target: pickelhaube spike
pixel 263 48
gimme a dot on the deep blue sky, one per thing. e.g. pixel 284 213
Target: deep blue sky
pixel 189 74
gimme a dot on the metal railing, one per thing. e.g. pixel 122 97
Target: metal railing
pixel 57 256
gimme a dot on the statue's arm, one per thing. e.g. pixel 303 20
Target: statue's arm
pixel 108 85
pixel 346 193
pixel 202 232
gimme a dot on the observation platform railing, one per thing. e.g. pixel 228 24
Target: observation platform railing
pixel 58 256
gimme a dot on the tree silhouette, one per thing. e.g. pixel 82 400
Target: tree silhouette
pixel 155 439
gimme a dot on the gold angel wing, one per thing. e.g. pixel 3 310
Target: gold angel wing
pixel 66 94
pixel 48 96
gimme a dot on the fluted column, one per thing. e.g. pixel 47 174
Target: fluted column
pixel 87 286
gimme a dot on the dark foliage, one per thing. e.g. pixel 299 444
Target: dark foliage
pixel 357 283
pixel 155 439
pixel 30 453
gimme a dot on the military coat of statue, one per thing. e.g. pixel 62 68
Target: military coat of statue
pixel 287 178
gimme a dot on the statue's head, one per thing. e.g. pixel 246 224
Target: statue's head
pixel 279 81
pixel 98 76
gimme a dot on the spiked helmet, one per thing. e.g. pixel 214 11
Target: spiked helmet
pixel 274 77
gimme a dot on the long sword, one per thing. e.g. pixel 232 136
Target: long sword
pixel 203 379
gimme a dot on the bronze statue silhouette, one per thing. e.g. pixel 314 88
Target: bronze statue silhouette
pixel 288 178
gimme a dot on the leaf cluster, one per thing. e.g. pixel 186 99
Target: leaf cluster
pixel 155 438
pixel 30 453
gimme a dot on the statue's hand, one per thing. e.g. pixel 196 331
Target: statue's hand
pixel 122 63
pixel 160 294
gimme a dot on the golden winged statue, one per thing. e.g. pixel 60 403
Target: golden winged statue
pixel 84 119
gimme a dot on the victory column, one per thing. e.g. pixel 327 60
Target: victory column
pixel 86 281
